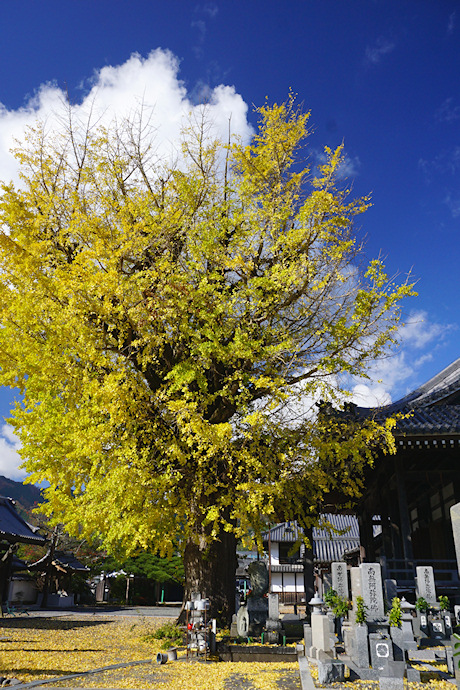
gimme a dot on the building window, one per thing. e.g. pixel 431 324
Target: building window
pixel 287 554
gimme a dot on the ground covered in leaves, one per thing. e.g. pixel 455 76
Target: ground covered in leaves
pixel 34 649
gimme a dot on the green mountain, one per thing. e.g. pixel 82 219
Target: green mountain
pixel 25 495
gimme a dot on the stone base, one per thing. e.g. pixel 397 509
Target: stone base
pixel 357 672
pixel 413 675
pixel 251 618
pixel 330 672
pixel 391 683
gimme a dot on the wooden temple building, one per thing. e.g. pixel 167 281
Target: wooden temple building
pixel 286 556
pixel 404 513
pixel 14 530
pixel 402 519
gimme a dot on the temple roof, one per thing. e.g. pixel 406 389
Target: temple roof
pixel 63 562
pixel 13 528
pixel 328 545
pixel 433 409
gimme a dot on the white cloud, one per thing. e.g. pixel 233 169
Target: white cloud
pixel 418 332
pixel 349 167
pixel 211 9
pixel 118 91
pixel 370 395
pixel 9 458
pixel 392 377
pixel 152 82
pixel 376 52
pixel 448 111
pixel 453 203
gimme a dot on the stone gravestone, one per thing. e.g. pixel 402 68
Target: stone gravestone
pixel 356 589
pixel 425 583
pixel 381 649
pixel 233 627
pixel 251 617
pixel 372 593
pixel 320 633
pixel 360 646
pixel 273 623
pixel 340 579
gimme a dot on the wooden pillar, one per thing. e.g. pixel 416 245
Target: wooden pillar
pixel 404 520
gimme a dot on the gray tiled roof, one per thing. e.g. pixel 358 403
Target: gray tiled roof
pixel 62 561
pixel 328 545
pixel 13 528
pixel 433 409
pixel 69 562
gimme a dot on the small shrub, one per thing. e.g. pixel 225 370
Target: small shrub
pixel 341 607
pixel 444 603
pixel 330 597
pixel 360 616
pixel 421 605
pixel 394 616
pixel 170 634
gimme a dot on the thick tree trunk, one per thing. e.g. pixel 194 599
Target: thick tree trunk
pixel 309 573
pixel 211 572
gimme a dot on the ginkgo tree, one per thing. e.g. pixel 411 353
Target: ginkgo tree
pixel 170 325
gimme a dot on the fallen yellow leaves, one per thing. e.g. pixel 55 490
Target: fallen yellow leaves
pixel 40 648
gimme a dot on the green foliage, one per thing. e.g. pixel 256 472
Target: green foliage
pixel 394 615
pixel 118 589
pixel 148 565
pixel 330 597
pixel 162 321
pixel 444 602
pixel 421 605
pixel 360 615
pixel 339 605
pixel 170 634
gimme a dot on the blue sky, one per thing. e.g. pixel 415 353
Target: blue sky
pixel 381 75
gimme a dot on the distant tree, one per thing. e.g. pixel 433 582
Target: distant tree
pixel 148 566
pixel 166 324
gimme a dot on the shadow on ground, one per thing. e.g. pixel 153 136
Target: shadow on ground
pixel 48 623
